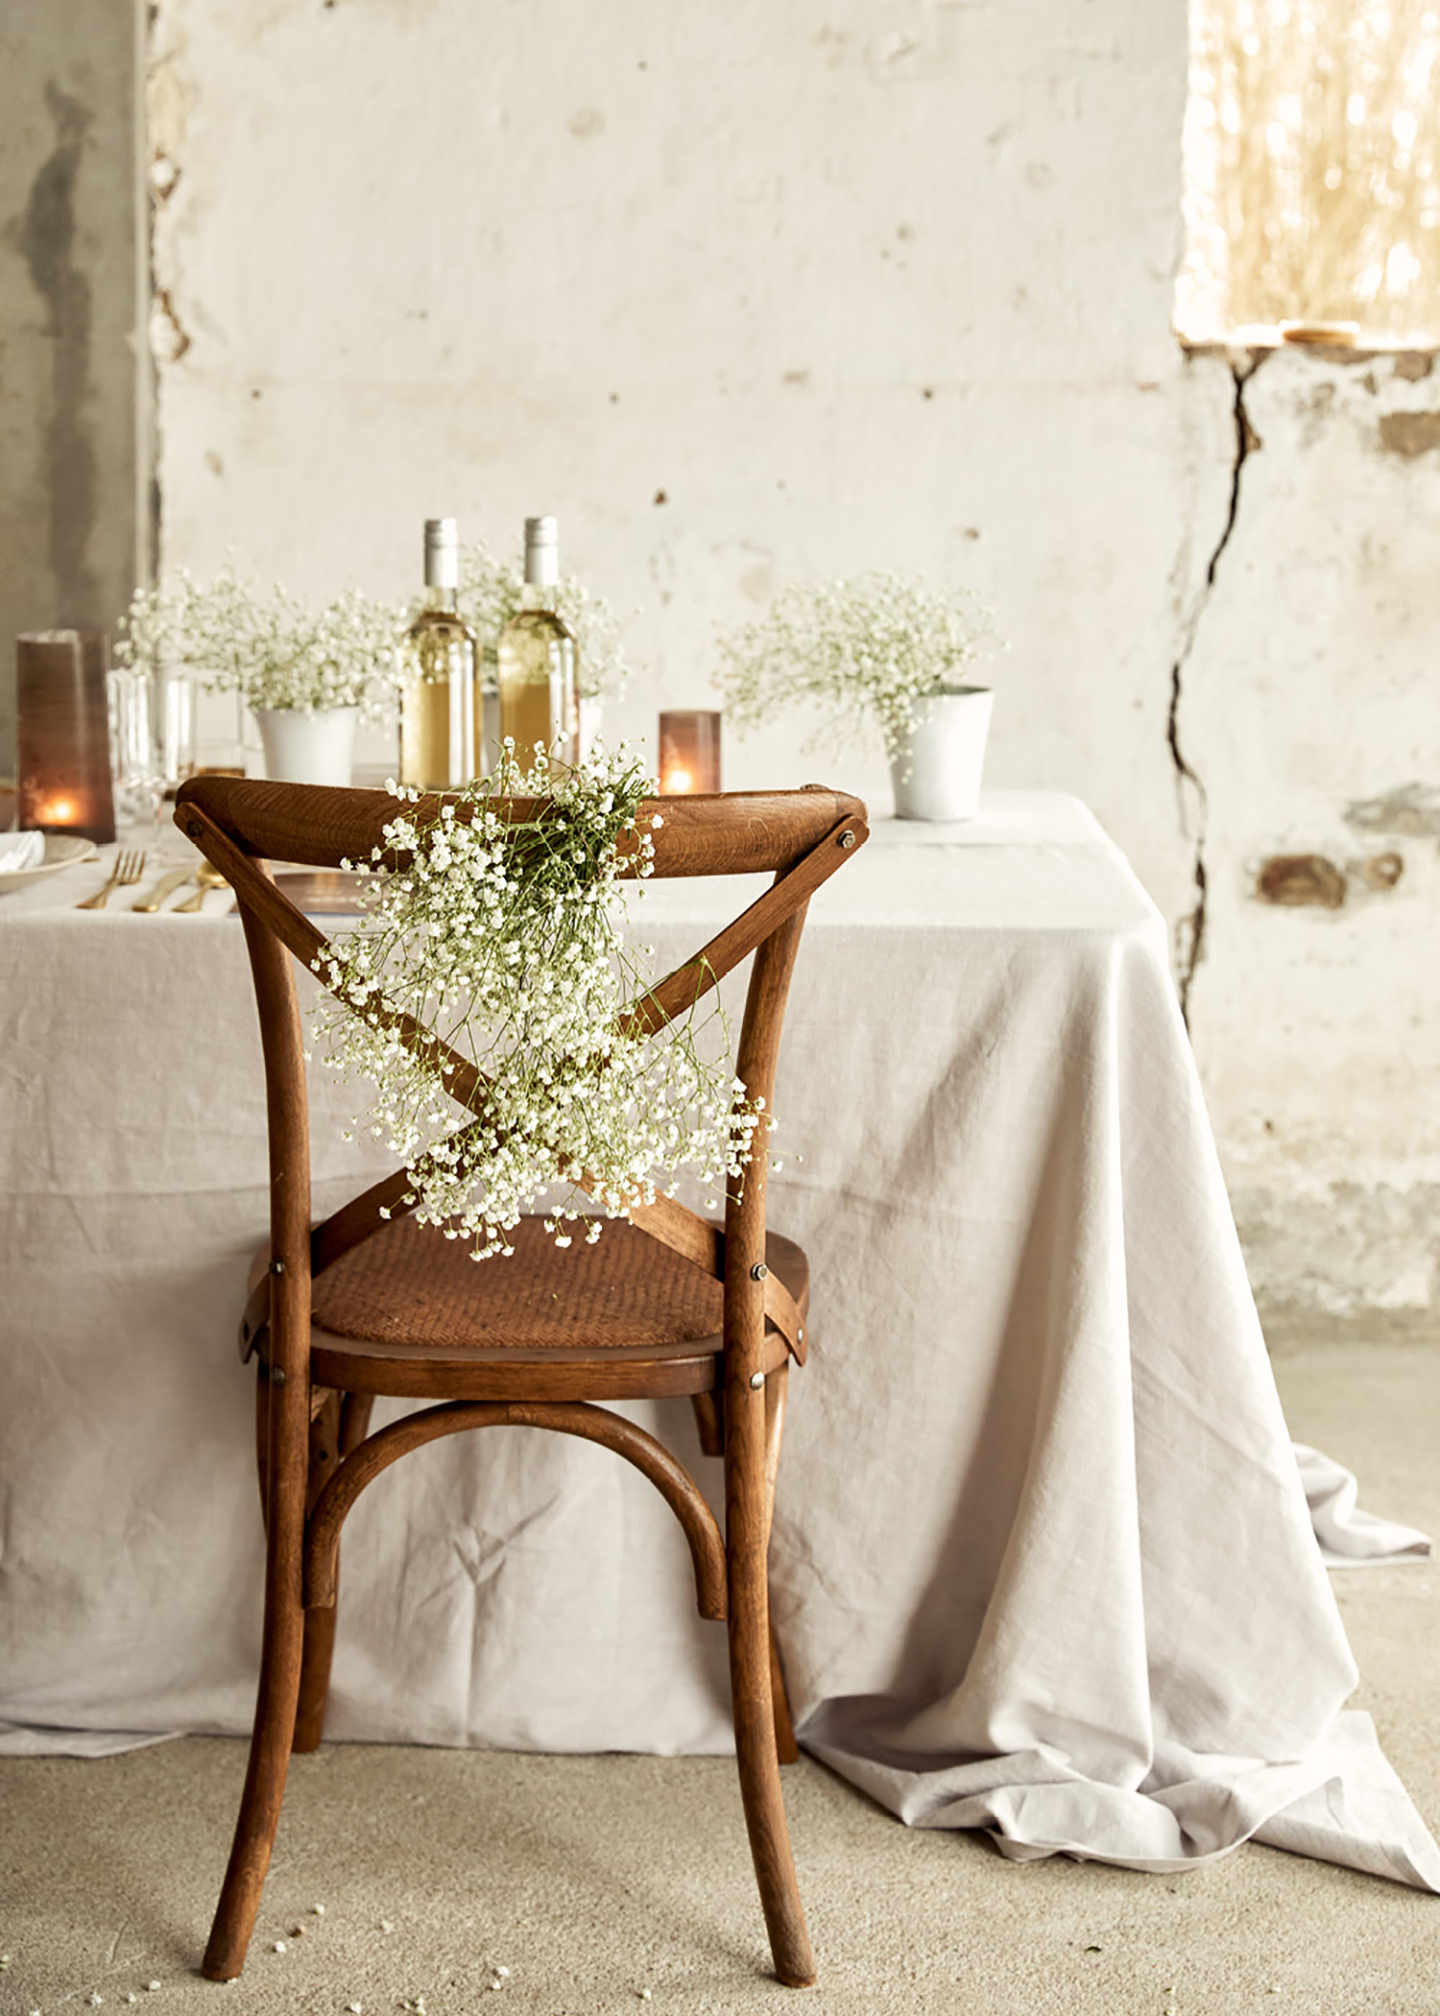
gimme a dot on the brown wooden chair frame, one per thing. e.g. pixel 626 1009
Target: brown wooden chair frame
pixel 315 1454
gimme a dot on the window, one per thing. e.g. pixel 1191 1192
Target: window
pixel 1312 169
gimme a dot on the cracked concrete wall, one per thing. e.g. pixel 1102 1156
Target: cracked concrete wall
pixel 72 412
pixel 746 293
pixel 1311 717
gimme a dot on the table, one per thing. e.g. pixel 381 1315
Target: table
pixel 1041 1560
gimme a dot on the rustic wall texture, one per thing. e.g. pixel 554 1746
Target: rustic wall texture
pixel 750 292
pixel 72 401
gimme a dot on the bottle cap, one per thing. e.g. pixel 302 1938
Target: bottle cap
pixel 442 553
pixel 542 551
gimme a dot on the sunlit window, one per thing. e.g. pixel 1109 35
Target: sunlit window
pixel 1312 169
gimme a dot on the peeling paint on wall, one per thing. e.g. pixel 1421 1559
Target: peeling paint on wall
pixel 1409 433
pixel 1412 809
pixel 168 340
pixel 1380 871
pixel 1295 879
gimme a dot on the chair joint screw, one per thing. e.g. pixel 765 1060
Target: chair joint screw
pixel 277 1266
pixel 277 1377
pixel 757 1380
pixel 759 1271
pixel 847 839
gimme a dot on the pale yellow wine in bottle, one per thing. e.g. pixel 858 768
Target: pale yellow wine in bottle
pixel 539 699
pixel 437 691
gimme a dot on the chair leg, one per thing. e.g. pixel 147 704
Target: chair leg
pixel 747 1531
pixel 325 1451
pixel 280 1662
pixel 776 1390
pixel 339 1427
pixel 317 1654
pixel 786 1748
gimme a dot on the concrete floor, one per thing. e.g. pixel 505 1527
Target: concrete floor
pixel 612 1884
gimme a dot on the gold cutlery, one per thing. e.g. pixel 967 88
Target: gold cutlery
pixel 162 889
pixel 129 867
pixel 209 878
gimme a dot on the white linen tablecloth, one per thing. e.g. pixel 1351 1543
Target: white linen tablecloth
pixel 1042 1559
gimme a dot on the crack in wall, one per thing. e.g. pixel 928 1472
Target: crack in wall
pixel 1190 787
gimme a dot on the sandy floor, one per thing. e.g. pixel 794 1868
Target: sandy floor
pixel 616 1883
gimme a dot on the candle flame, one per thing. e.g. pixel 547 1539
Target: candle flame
pixel 677 782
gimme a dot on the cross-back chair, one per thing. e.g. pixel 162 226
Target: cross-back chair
pixel 369 1302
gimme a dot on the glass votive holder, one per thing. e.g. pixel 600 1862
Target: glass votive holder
pixel 175 723
pixel 62 733
pixel 135 756
pixel 689 751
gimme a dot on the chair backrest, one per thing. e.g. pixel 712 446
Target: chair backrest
pixel 801 837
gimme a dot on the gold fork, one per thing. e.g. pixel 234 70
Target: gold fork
pixel 129 867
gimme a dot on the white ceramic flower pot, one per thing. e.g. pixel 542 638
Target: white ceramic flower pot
pixel 305 748
pixel 937 774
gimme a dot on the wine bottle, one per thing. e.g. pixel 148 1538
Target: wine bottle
pixel 539 699
pixel 437 688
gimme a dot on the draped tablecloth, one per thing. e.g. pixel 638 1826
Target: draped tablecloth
pixel 1042 1560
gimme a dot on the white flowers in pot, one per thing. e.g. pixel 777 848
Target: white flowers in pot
pixel 504 938
pixel 882 650
pixel 309 674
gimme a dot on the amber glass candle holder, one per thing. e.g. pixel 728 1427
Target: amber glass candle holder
pixel 62 733
pixel 689 751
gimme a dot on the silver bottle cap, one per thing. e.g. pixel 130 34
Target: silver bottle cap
pixel 542 551
pixel 442 553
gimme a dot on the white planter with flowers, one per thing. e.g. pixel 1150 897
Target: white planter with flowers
pixel 884 650
pixel 308 675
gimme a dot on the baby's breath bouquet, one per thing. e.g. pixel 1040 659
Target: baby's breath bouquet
pixel 868 650
pixel 503 937
pixel 489 595
pixel 270 647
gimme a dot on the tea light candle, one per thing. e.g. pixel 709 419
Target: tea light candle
pixel 62 733
pixel 689 751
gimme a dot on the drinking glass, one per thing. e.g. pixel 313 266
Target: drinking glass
pixel 136 761
pixel 176 725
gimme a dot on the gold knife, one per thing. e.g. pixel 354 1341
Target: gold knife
pixel 162 889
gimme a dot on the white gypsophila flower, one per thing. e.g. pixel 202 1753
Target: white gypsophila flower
pixel 867 650
pixel 269 646
pixel 503 936
pixel 489 595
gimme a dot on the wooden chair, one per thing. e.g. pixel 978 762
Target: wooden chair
pixel 364 1304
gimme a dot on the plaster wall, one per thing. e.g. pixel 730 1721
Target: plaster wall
pixel 746 292
pixel 1310 717
pixel 73 383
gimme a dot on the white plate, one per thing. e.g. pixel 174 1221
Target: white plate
pixel 62 850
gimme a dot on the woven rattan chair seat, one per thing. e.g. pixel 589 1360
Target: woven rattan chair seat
pixel 409 1288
